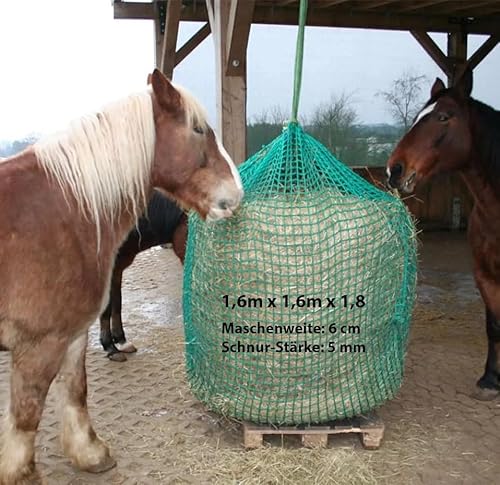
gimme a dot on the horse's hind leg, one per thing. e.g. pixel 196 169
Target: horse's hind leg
pixel 117 332
pixel 488 387
pixel 106 339
pixel 34 366
pixel 79 440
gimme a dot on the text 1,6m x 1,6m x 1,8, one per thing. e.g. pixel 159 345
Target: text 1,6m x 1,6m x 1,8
pixel 300 301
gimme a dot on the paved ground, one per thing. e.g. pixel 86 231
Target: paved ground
pixel 435 433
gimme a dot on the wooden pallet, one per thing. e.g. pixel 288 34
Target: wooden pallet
pixel 370 428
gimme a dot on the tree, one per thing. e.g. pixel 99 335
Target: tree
pixel 333 123
pixel 265 127
pixel 404 98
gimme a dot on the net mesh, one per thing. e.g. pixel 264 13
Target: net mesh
pixel 297 308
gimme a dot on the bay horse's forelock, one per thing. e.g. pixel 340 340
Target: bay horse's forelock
pixel 66 206
pixel 472 144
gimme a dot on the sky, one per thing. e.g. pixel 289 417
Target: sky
pixel 63 58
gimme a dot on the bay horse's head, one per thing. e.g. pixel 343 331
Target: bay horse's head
pixel 190 164
pixel 439 139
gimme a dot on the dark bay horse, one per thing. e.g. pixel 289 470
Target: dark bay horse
pixel 456 132
pixel 163 222
pixel 66 205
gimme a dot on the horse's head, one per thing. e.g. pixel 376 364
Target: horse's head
pixel 439 139
pixel 190 164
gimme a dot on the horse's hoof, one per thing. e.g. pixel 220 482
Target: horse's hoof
pixel 126 347
pixel 485 393
pixel 107 464
pixel 117 357
pixel 33 478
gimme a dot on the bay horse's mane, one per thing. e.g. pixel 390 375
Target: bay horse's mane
pixel 488 131
pixel 104 159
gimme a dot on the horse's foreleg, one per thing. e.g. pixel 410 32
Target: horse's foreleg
pixel 34 366
pixel 117 332
pixel 106 338
pixel 79 440
pixel 488 387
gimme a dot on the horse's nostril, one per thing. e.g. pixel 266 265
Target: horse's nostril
pixel 396 170
pixel 224 204
pixel 394 174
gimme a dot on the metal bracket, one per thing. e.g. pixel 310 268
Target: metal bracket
pixel 162 13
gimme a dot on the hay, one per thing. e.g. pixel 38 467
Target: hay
pixel 348 248
pixel 275 466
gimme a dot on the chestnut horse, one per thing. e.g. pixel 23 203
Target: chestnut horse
pixel 163 222
pixel 455 132
pixel 66 204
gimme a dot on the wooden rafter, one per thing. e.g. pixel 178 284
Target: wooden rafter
pixel 433 50
pixel 378 4
pixel 134 10
pixel 192 43
pixel 333 3
pixel 323 17
pixel 238 31
pixel 172 19
pixel 483 51
pixel 421 5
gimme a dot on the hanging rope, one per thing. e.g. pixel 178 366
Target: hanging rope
pixel 299 59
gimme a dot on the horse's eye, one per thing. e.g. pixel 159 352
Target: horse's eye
pixel 442 117
pixel 198 129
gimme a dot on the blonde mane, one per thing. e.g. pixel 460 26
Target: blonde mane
pixel 104 159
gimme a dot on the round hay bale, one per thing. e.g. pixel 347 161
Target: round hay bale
pixel 322 280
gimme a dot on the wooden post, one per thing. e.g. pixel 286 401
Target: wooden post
pixel 172 19
pixel 158 36
pixel 231 89
pixel 457 55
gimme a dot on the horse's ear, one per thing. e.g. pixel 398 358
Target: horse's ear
pixel 148 82
pixel 437 87
pixel 464 84
pixel 168 97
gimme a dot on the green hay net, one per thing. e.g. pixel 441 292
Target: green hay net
pixel 297 309
pixel 335 255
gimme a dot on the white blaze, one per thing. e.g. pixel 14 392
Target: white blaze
pixel 229 160
pixel 424 112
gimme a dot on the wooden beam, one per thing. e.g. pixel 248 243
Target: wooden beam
pixel 378 4
pixel 192 44
pixel 238 31
pixel 420 5
pixel 133 10
pixel 483 51
pixel 172 19
pixel 332 3
pixel 433 50
pixel 320 17
pixel 231 90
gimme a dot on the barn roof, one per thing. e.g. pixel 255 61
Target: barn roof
pixel 474 17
